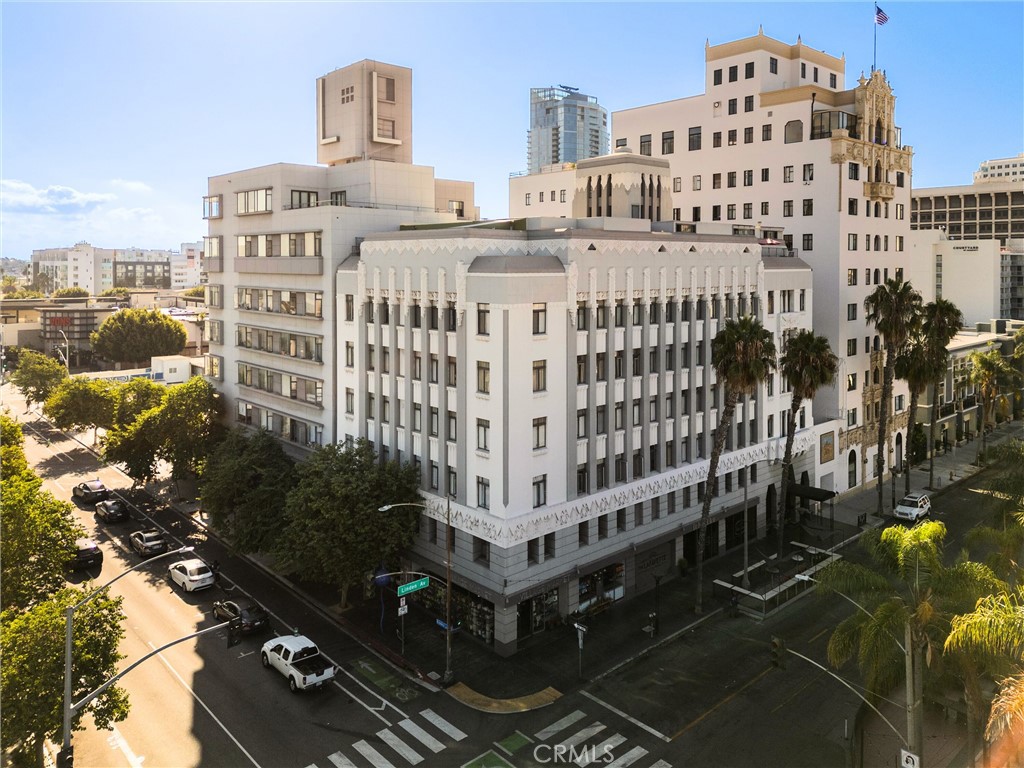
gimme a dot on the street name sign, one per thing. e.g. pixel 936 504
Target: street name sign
pixel 413 586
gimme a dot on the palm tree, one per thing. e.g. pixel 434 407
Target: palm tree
pixel 808 364
pixel 893 308
pixel 988 371
pixel 918 368
pixel 743 355
pixel 940 320
pixel 907 598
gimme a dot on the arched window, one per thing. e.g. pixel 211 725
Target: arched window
pixel 879 135
pixel 878 173
pixel 877 344
pixel 608 196
pixel 874 373
pixel 878 243
pixel 590 196
pixel 877 273
pixel 878 210
pixel 794 131
pixel 852 464
pixel 598 191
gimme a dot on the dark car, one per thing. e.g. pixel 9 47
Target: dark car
pixel 112 511
pixel 147 543
pixel 87 554
pixel 254 617
pixel 91 491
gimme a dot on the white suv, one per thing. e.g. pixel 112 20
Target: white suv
pixel 913 507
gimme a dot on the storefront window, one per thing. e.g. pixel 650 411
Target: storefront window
pixel 605 585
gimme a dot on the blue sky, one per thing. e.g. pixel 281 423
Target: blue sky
pixel 114 114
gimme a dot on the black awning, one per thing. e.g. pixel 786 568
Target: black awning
pixel 812 493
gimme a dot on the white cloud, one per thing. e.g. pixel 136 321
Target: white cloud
pixel 131 186
pixel 24 198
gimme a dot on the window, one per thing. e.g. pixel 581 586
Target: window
pixel 748 178
pixel 851 417
pixel 899 178
pixel 851 382
pixel 483 319
pixel 695 213
pixel 645 144
pixel 540 491
pixel 716 213
pixel 483 435
pixel 696 183
pixel 808 242
pixel 434 422
pixel 808 171
pixel 211 207
pixel 851 241
pixel 851 347
pixel 732 138
pixel 254 201
pixel 773 65
pixel 540 198
pixel 771 425
pixel 748 135
pixel 766 132
pixel 851 277
pixel 540 375
pixel 899 242
pixel 527 198
pixel 483 501
pixel 851 311
pixel 815 74
pixel 303 199
pixel 832 80
pixel 787 174
pixel 561 196
pixel 764 209
pixel 716 181
pixel 350 354
pixel 483 377
pixel 748 210
pixel 620 143
pixel 452 371
pixel 803 69
pixel 899 211
pixel 794 132
pixel 851 206
pixel 808 206
pixel 540 433
pixel 771 303
pixel 716 139
pixel 732 106
pixel 717 77
pixel 694 139
pixel 787 207
pixel 668 142
pixel 730 212
pixel 350 401
pixel 731 179
pixel 854 171
pixel 581 423
pixel 748 70
pixel 540 319
pixel 677 184
pixel 803 299
pixel 734 73
pixel 748 104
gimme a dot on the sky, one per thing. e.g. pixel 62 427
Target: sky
pixel 113 115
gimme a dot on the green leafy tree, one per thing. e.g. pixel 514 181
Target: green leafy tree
pixel 136 447
pixel 37 375
pixel 136 335
pixel 134 397
pixel 116 293
pixel 989 370
pixel 808 364
pixel 25 293
pixel 334 532
pixel 893 308
pixel 81 403
pixel 74 292
pixel 917 365
pixel 743 355
pixel 38 539
pixel 907 598
pixel 32 675
pixel 195 292
pixel 12 447
pixel 189 426
pixel 940 321
pixel 42 283
pixel 247 478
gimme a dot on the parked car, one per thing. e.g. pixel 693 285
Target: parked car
pixel 148 543
pixel 91 491
pixel 297 658
pixel 112 511
pixel 87 554
pixel 253 618
pixel 913 507
pixel 191 575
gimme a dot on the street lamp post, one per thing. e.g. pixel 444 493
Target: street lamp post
pixel 67 350
pixel 449 675
pixel 69 613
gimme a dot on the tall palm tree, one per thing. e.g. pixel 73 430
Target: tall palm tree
pixel 989 369
pixel 743 355
pixel 907 598
pixel 808 364
pixel 893 308
pixel 918 368
pixel 940 321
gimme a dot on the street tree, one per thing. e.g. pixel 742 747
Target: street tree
pixel 32 675
pixel 135 446
pixel 38 540
pixel 917 365
pixel 893 308
pixel 81 403
pixel 12 447
pixel 37 375
pixel 248 476
pixel 333 530
pixel 989 371
pixel 72 292
pixel 188 426
pixel 940 321
pixel 743 355
pixel 133 398
pixel 808 364
pixel 136 335
pixel 908 597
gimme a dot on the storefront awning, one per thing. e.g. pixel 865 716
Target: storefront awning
pixel 812 493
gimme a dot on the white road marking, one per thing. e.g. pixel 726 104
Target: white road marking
pixel 622 714
pixel 185 685
pixel 377 760
pixel 554 728
pixel 662 764
pixel 601 751
pixel 424 738
pixel 443 724
pixel 399 746
pixel 341 761
pixel 117 740
pixel 629 758
pixel 591 730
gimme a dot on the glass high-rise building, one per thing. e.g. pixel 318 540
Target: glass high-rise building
pixel 565 126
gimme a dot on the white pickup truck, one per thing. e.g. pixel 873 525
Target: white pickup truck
pixel 297 658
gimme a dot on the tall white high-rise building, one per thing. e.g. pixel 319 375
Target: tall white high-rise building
pixel 565 126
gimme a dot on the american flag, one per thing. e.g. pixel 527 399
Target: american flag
pixel 880 17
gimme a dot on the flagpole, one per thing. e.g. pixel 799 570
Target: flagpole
pixel 874 50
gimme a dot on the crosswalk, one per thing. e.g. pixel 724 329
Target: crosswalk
pixel 407 743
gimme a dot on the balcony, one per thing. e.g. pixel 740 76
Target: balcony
pixel 879 190
pixel 298 265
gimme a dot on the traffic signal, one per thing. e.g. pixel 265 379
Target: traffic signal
pixel 66 758
pixel 234 632
pixel 778 650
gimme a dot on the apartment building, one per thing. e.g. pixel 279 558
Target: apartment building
pixel 554 377
pixel 991 208
pixel 1004 169
pixel 99 269
pixel 565 126
pixel 778 145
pixel 278 233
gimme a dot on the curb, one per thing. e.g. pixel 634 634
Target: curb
pixel 478 701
